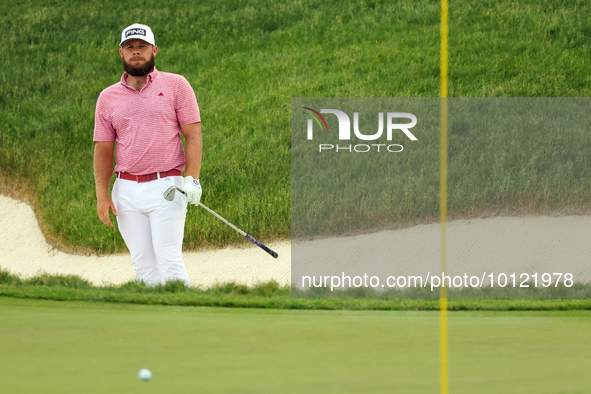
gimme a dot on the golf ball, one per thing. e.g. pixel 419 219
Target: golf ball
pixel 145 374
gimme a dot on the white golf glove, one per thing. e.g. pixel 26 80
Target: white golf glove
pixel 193 190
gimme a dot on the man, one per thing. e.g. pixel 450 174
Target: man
pixel 145 112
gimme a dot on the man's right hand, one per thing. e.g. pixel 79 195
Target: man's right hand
pixel 103 207
pixel 103 169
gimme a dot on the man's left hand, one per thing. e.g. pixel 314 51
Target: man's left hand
pixel 193 190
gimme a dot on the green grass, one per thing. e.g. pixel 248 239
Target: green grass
pixel 245 61
pixel 60 347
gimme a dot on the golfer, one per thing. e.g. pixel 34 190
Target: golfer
pixel 144 114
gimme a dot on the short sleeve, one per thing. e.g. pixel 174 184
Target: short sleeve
pixel 103 129
pixel 187 109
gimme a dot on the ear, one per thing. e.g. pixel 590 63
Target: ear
pixel 121 52
pixel 154 50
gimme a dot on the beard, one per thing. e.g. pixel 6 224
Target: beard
pixel 139 71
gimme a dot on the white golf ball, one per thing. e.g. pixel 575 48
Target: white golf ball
pixel 145 374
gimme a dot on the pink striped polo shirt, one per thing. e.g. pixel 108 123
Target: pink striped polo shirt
pixel 146 124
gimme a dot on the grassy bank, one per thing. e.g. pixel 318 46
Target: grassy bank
pixel 245 61
pixel 266 296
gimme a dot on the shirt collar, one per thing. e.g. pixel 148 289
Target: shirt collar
pixel 151 77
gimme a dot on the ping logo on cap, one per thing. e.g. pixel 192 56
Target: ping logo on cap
pixel 139 32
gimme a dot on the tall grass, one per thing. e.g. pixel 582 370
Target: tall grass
pixel 245 60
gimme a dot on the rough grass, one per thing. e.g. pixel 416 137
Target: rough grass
pixel 264 295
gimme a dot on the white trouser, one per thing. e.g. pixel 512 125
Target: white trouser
pixel 152 228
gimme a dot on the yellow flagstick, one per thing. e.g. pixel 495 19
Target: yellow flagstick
pixel 443 340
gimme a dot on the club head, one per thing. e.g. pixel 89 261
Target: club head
pixel 170 193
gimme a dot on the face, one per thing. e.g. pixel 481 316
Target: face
pixel 138 57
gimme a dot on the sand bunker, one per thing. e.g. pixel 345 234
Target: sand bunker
pixel 25 252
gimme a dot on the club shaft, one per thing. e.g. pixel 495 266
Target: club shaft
pixel 222 219
pixel 249 237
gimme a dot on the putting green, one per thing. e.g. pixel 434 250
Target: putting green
pixel 48 346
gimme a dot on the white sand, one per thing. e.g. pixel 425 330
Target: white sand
pixel 558 244
pixel 477 247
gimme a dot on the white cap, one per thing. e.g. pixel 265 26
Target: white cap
pixel 137 31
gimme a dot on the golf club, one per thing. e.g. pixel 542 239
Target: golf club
pixel 169 195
